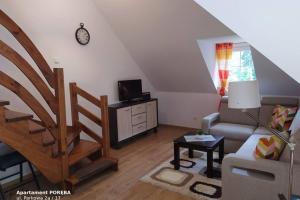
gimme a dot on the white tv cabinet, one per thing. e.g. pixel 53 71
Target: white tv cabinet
pixel 128 120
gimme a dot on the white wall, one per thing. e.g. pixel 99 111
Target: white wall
pixel 271 27
pixel 186 109
pixel 95 67
pixel 51 25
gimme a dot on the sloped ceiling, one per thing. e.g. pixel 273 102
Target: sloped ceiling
pixel 272 27
pixel 272 80
pixel 161 35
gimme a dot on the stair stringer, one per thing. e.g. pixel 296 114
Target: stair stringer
pixel 43 161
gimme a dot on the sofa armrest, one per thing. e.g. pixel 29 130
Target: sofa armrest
pixel 268 178
pixel 274 167
pixel 209 120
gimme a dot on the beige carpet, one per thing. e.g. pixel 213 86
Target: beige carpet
pixel 190 180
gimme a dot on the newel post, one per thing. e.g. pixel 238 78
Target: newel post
pixel 61 120
pixel 74 111
pixel 105 125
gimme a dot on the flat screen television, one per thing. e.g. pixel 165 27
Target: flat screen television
pixel 130 89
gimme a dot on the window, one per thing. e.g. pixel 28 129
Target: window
pixel 241 67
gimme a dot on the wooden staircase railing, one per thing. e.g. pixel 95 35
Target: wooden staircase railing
pixel 22 134
pixel 56 101
pixel 29 99
pixel 30 73
pixel 101 103
pixel 31 49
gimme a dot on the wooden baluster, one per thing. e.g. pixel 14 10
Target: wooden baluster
pixel 74 112
pixel 105 125
pixel 61 122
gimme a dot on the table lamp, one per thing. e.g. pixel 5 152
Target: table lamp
pixel 245 95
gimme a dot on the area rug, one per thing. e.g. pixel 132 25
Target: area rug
pixel 190 180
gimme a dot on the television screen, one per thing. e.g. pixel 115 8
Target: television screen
pixel 130 89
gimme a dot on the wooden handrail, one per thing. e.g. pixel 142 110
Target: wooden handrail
pixel 88 96
pixel 28 45
pixel 89 115
pixel 30 73
pixel 30 100
pixel 102 122
pixel 37 81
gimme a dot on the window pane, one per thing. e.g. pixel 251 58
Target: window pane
pixel 242 68
pixel 234 74
pixel 246 58
pixel 236 58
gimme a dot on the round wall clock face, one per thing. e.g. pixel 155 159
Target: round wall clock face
pixel 82 35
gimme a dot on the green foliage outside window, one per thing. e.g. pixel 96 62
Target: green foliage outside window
pixel 242 68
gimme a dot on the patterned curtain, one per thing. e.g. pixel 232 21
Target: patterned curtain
pixel 223 56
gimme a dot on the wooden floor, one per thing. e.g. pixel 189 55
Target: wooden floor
pixel 135 160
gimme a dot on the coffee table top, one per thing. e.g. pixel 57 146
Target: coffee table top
pixel 211 144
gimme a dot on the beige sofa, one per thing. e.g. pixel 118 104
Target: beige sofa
pixel 243 176
pixel 236 127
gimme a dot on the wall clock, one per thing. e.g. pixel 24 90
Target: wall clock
pixel 82 35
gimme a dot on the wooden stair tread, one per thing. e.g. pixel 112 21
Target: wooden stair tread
pixel 35 127
pixel 83 149
pixel 47 138
pixel 92 169
pixel 4 103
pixel 13 116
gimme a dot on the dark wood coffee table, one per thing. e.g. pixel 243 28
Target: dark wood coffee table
pixel 208 147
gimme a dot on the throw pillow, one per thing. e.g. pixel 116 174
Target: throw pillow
pixel 291 115
pixel 269 148
pixel 279 117
pixel 265 148
pixel 279 146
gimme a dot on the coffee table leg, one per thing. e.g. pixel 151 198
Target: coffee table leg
pixel 209 171
pixel 176 157
pixel 191 153
pixel 221 151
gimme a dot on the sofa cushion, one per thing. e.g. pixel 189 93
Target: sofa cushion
pixel 232 131
pixel 280 100
pixel 269 102
pixel 265 114
pixel 248 148
pixel 236 116
pixel 262 131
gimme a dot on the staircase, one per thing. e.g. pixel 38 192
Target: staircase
pixel 57 150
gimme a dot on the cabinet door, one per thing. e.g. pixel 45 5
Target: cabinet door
pixel 151 114
pixel 124 123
